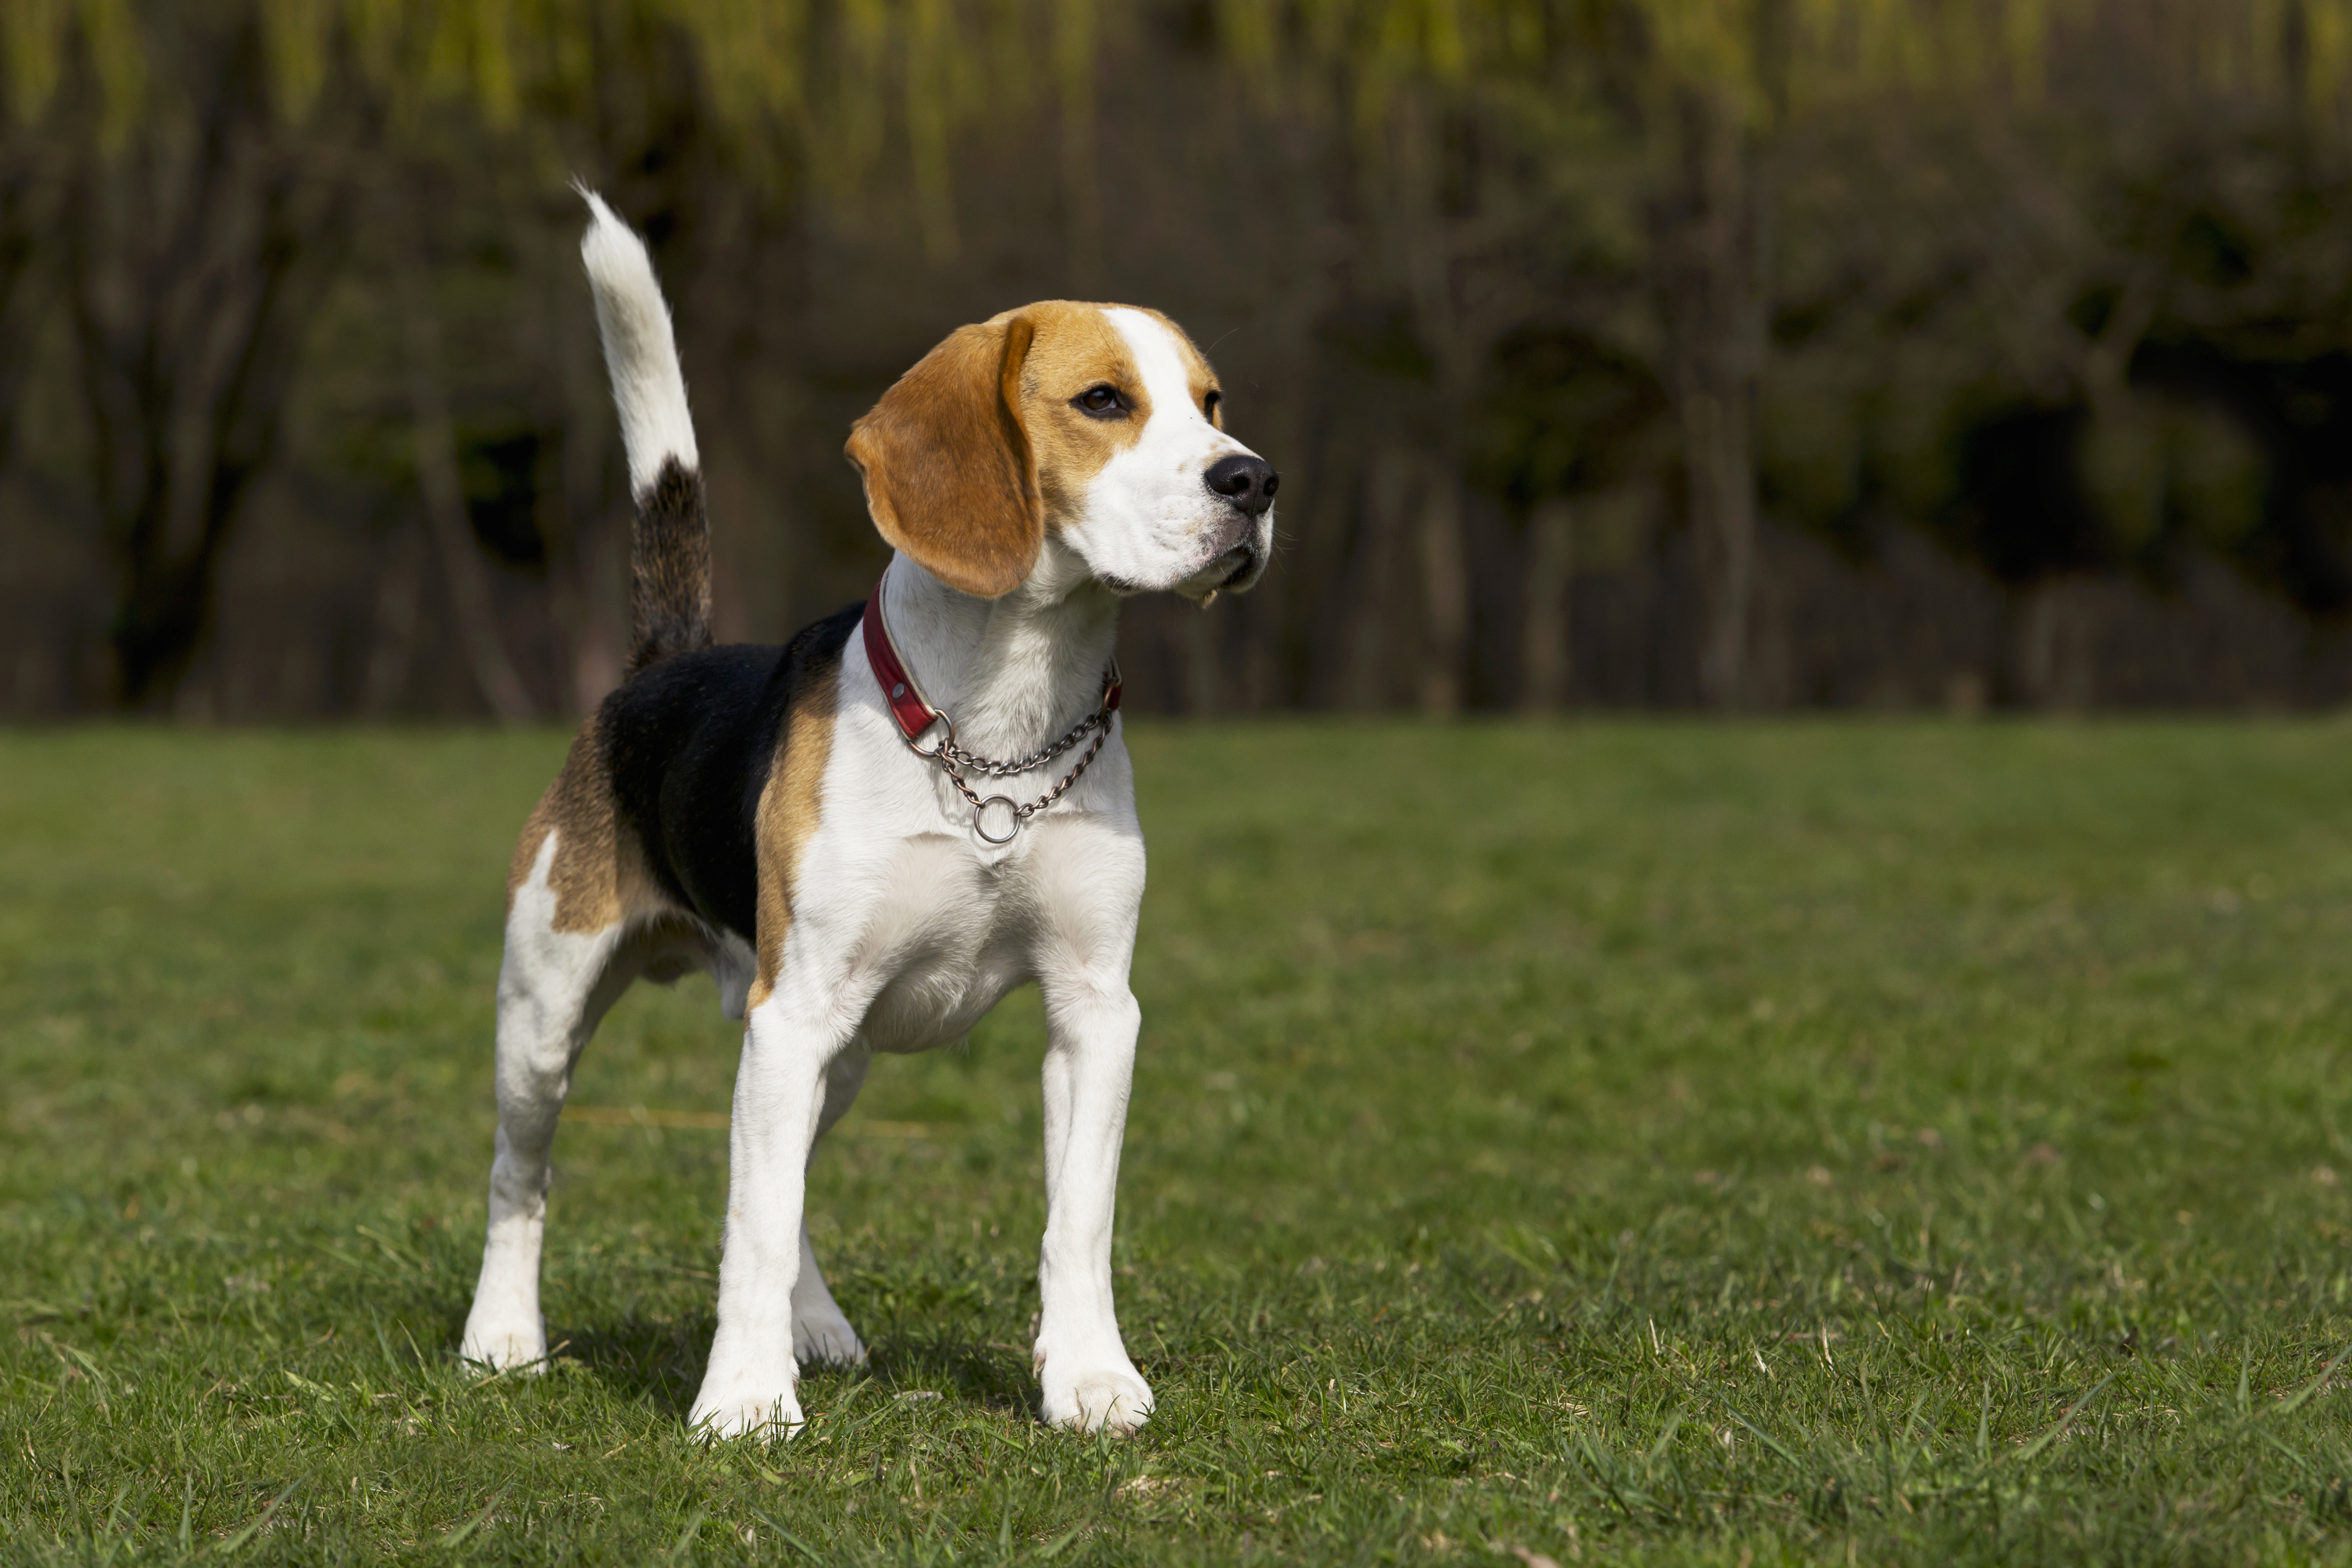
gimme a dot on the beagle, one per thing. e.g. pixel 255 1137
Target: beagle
pixel 871 835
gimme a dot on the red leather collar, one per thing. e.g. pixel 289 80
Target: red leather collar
pixel 908 705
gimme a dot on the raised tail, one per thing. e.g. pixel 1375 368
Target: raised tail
pixel 669 547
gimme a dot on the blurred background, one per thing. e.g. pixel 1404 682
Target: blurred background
pixel 1750 355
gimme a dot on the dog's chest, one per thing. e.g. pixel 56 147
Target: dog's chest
pixel 951 937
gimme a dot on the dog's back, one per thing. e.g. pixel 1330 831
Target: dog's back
pixel 690 743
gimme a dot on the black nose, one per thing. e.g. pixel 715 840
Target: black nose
pixel 1248 482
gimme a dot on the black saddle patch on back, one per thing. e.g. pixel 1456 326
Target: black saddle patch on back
pixel 689 742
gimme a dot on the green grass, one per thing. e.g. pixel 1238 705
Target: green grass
pixel 1849 1143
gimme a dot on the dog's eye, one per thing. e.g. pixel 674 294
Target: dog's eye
pixel 1209 405
pixel 1102 402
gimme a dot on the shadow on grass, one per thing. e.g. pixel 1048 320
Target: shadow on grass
pixel 656 1362
pixel 659 1363
pixel 992 1376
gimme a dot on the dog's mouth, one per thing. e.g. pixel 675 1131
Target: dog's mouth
pixel 1246 565
pixel 1233 571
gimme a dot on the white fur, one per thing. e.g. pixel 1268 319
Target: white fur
pixel 640 351
pixel 553 988
pixel 906 927
pixel 906 931
pixel 548 988
pixel 1149 518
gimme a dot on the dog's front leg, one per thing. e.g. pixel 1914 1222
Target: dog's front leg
pixel 749 1385
pixel 1088 1382
pixel 820 1332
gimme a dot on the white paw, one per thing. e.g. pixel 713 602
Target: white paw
pixel 505 1346
pixel 745 1405
pixel 826 1336
pixel 1104 1399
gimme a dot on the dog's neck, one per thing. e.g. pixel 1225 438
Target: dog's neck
pixel 1015 672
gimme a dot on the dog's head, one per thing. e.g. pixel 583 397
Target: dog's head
pixel 1099 424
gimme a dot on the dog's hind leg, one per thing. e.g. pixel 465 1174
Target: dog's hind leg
pixel 820 1331
pixel 553 987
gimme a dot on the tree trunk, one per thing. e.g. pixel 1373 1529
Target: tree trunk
pixel 1426 227
pixel 19 229
pixel 188 333
pixel 1373 624
pixel 392 649
pixel 1546 661
pixel 597 635
pixel 2056 644
pixel 1716 307
pixel 1723 514
pixel 555 329
pixel 438 482
pixel 1446 590
pixel 1074 25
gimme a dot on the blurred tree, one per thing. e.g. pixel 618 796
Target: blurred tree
pixel 213 157
pixel 22 221
pixel 194 241
pixel 2059 280
pixel 1466 114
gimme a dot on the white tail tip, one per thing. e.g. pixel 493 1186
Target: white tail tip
pixel 640 349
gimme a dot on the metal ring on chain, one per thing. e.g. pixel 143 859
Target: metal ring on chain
pixel 1020 814
pixel 1012 820
pixel 947 741
pixel 952 758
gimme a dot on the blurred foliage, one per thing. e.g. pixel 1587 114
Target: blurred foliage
pixel 2058 283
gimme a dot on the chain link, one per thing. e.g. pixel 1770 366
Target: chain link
pixel 964 759
pixel 953 759
pixel 1024 813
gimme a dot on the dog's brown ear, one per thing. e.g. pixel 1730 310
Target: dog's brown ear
pixel 950 475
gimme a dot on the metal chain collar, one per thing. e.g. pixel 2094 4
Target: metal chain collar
pixel 964 759
pixel 953 760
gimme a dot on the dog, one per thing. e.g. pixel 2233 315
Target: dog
pixel 870 836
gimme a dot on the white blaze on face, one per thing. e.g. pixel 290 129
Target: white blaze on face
pixel 1151 519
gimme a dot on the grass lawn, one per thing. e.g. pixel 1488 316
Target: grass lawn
pixel 1826 1141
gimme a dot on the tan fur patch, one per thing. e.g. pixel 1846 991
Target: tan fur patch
pixel 598 874
pixel 949 475
pixel 789 807
pixel 1076 349
pixel 980 447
